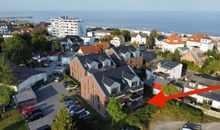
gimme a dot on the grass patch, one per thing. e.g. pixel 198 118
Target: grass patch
pixel 15 122
pixel 191 66
pixel 70 78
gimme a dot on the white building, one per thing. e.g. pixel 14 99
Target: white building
pixel 88 40
pixel 197 82
pixel 171 43
pixel 139 38
pixel 159 42
pixel 168 70
pixel 99 33
pixel 202 41
pixel 63 26
pixel 117 40
pixel 5 30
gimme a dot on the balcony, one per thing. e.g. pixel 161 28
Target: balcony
pixel 136 97
pixel 136 89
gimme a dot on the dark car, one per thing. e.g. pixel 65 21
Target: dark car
pixel 191 126
pixel 34 116
pixel 45 127
pixel 8 107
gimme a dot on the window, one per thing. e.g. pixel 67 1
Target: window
pixel 98 99
pixel 135 83
pixel 114 91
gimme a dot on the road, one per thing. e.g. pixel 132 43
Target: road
pixel 175 125
pixel 48 100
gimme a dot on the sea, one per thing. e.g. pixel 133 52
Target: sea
pixel 171 22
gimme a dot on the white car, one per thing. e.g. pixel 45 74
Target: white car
pixel 58 79
pixel 84 114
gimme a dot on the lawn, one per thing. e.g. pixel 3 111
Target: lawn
pixel 191 66
pixel 15 122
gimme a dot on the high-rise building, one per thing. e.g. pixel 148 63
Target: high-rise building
pixel 63 26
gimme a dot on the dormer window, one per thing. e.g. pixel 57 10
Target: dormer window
pixel 135 83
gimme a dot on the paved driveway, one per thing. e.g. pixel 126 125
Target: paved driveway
pixel 48 100
pixel 175 125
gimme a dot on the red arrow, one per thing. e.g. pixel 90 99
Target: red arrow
pixel 160 99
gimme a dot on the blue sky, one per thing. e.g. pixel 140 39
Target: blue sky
pixel 109 5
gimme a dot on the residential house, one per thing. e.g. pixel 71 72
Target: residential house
pixel 139 38
pixel 82 64
pixel 98 33
pixel 195 55
pixel 88 40
pixel 94 48
pixel 71 43
pixel 5 29
pixel 64 26
pixel 126 55
pixel 211 98
pixel 121 83
pixel 117 40
pixel 171 43
pixel 159 41
pixel 203 41
pixel 168 70
pixel 183 50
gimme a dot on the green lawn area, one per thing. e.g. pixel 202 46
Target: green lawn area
pixel 14 122
pixel 191 66
pixel 69 78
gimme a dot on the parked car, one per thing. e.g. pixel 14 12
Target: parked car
pixel 8 107
pixel 45 127
pixel 69 103
pixel 58 79
pixel 27 110
pixel 191 126
pixel 76 111
pixel 34 116
pixel 84 114
pixel 71 87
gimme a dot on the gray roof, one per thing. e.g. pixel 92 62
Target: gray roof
pixel 169 64
pixel 128 75
pixel 97 57
pixel 73 38
pixel 206 81
pixel 162 82
pixel 108 81
pixel 145 35
pixel 25 95
pixel 124 49
pixel 22 74
pixel 114 74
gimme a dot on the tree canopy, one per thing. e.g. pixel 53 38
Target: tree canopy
pixel 63 121
pixel 17 49
pixel 125 33
pixel 115 111
pixel 6 72
pixel 170 90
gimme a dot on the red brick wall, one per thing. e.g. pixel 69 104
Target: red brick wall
pixel 92 93
pixel 136 62
pixel 76 70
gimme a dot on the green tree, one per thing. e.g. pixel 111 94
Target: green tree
pixel 17 49
pixel 116 32
pixel 150 42
pixel 6 72
pixel 176 55
pixel 56 46
pixel 114 109
pixel 39 42
pixel 126 34
pixel 40 30
pixel 63 121
pixel 153 34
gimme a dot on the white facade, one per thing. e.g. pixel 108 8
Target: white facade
pixel 174 73
pixel 98 33
pixel 117 41
pixel 88 40
pixel 171 47
pixel 63 26
pixel 139 39
pixel 204 44
pixel 159 43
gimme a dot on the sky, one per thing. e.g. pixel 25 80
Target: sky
pixel 109 5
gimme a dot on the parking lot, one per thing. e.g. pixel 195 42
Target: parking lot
pixel 48 100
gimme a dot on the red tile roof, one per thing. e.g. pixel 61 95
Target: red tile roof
pixel 198 37
pixel 173 39
pixel 95 48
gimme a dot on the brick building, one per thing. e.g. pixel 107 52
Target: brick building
pixel 121 82
pixel 126 55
